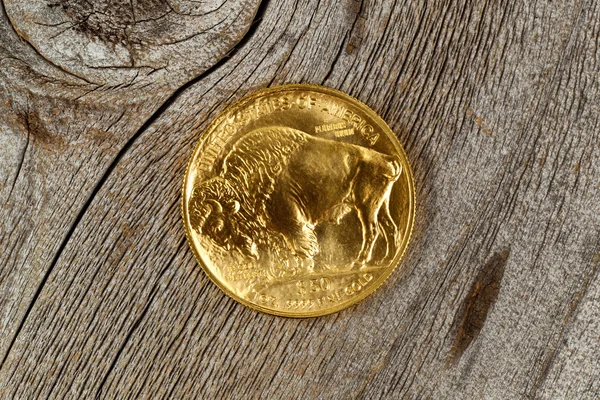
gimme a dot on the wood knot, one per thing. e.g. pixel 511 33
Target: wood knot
pixel 112 20
pixel 123 43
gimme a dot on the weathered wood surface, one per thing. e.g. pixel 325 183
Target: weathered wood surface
pixel 496 103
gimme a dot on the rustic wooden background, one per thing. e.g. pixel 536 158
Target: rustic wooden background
pixel 496 102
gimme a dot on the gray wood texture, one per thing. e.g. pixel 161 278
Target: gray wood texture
pixel 496 103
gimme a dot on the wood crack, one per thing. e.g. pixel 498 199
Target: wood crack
pixel 247 36
pixel 138 321
pixel 22 157
pixel 567 321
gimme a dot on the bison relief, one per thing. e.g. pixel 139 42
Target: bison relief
pixel 275 185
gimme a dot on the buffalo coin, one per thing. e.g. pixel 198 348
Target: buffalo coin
pixel 298 200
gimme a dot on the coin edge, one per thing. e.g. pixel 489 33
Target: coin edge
pixel 350 302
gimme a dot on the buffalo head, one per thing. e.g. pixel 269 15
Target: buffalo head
pixel 215 213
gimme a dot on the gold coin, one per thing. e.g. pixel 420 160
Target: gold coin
pixel 298 201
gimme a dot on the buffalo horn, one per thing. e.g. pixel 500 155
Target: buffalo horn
pixel 215 206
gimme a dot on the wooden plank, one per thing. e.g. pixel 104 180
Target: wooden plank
pixel 496 104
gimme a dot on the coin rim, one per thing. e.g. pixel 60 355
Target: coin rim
pixel 411 186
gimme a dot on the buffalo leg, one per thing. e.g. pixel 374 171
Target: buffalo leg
pixel 368 221
pixel 289 220
pixel 388 225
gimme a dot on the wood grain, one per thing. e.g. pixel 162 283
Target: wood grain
pixel 496 103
